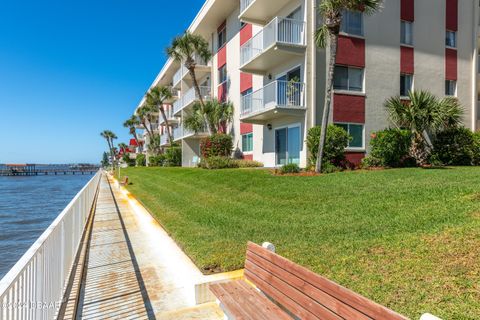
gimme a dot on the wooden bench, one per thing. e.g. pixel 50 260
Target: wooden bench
pixel 297 293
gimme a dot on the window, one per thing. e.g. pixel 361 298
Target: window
pixel 450 87
pixel 247 142
pixel 222 37
pixel 222 74
pixel 348 78
pixel 352 23
pixel 356 133
pixel 406 34
pixel 451 39
pixel 406 84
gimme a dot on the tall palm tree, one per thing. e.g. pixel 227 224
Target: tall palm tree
pixel 185 49
pixel 132 124
pixel 422 114
pixel 110 136
pixel 156 98
pixel 331 12
pixel 146 115
pixel 219 115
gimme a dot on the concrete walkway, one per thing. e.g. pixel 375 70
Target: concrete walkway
pixel 132 272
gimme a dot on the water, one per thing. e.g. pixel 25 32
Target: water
pixel 28 205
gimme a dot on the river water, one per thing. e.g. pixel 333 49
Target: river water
pixel 28 205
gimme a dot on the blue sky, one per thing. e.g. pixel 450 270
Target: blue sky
pixel 70 69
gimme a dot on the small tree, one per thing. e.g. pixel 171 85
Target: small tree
pixel 219 115
pixel 327 34
pixel 146 115
pixel 105 160
pixel 109 136
pixel 185 49
pixel 132 124
pixel 156 98
pixel 423 114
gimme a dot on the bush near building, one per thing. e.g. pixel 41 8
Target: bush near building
pixel 335 145
pixel 173 157
pixel 389 148
pixel 457 146
pixel 141 160
pixel 217 145
pixel 157 161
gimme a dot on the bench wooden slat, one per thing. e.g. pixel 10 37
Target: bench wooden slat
pixel 244 302
pixel 297 299
pixel 319 296
pixel 348 297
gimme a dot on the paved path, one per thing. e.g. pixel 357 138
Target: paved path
pixel 123 280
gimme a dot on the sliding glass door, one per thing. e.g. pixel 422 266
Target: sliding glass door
pixel 287 145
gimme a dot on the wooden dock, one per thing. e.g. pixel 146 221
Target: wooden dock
pixel 34 170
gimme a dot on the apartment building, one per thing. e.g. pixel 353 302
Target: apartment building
pixel 266 63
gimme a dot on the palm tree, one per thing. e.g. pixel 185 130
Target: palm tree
pixel 422 114
pixel 123 147
pixel 331 12
pixel 185 49
pixel 132 124
pixel 110 136
pixel 219 115
pixel 146 115
pixel 156 98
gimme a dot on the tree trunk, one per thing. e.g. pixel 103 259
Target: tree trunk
pixel 328 100
pixel 169 132
pixel 191 70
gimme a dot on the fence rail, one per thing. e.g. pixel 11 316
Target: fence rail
pixel 282 94
pixel 34 287
pixel 279 30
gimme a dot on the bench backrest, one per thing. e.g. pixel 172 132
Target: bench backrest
pixel 306 294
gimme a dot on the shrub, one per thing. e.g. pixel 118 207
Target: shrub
pixel 173 157
pixel 249 164
pixel 476 149
pixel 217 145
pixel 156 161
pixel 216 162
pixel 455 147
pixel 329 167
pixel 336 141
pixel 140 161
pixel 290 168
pixel 389 148
pixel 371 162
pixel 128 161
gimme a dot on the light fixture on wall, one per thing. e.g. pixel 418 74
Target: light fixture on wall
pixel 269 126
pixel 270 76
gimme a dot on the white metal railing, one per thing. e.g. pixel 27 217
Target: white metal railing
pixel 154 126
pixel 282 94
pixel 34 287
pixel 169 113
pixel 191 95
pixel 181 132
pixel 183 71
pixel 177 105
pixel 244 4
pixel 279 30
pixel 164 139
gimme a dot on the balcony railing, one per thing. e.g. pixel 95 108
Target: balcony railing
pixel 244 4
pixel 191 96
pixel 278 94
pixel 164 139
pixel 279 30
pixel 181 132
pixel 183 71
pixel 177 106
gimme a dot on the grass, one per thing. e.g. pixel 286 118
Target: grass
pixel 408 238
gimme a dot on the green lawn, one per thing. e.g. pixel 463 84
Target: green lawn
pixel 408 238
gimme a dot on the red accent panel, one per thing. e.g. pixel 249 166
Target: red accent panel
pixel 407 11
pixel 452 15
pixel 248 157
pixel 246 128
pixel 348 108
pixel 222 92
pixel 133 143
pixel 245 33
pixel 246 81
pixel 222 57
pixel 351 51
pixel 450 64
pixel 355 157
pixel 407 60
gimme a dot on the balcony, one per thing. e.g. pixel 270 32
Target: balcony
pixel 180 133
pixel 276 100
pixel 164 140
pixel 169 113
pixel 201 69
pixel 259 11
pixel 189 98
pixel 275 44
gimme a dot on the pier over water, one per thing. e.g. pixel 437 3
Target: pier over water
pixel 36 170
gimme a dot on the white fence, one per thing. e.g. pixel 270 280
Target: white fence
pixel 34 287
pixel 279 30
pixel 282 94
